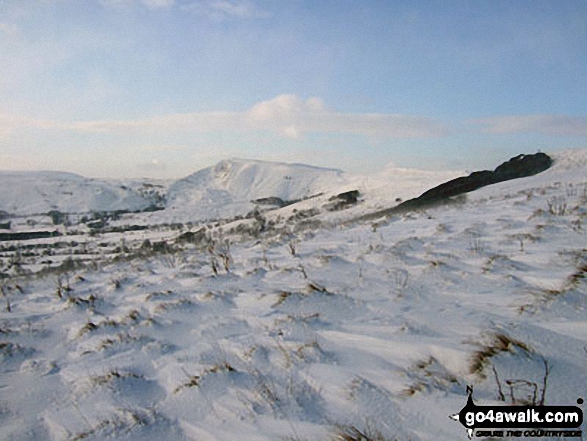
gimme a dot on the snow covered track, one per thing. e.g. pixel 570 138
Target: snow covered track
pixel 311 333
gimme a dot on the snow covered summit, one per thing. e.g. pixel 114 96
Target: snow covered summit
pixel 229 187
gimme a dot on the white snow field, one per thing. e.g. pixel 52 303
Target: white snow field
pixel 27 193
pixel 296 323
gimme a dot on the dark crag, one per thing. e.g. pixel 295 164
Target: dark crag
pixel 519 167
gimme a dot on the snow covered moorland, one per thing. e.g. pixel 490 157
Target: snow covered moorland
pixel 136 320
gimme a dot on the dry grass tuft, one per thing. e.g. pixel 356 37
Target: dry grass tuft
pixel 429 374
pixel 194 380
pixel 112 376
pixel 499 343
pixel 353 433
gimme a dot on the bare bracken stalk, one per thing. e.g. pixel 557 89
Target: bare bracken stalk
pixel 401 277
pixel 476 244
pixel 557 205
pixel 8 306
pixel 292 247
pixel 544 381
pixel 303 271
pixel 222 253
pixel 513 383
pixel 521 384
pixel 499 389
pixel 214 265
pixel 226 261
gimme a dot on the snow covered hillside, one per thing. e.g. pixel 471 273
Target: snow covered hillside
pixel 230 187
pixel 25 193
pixel 300 325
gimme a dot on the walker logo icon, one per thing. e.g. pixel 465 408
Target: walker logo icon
pixel 543 421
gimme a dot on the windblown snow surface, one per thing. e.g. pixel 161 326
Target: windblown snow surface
pixel 374 327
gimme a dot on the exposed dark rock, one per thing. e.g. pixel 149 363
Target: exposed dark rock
pixel 522 166
pixel 348 197
pixel 343 200
pixel 162 247
pixel 195 238
pixel 151 208
pixel 272 200
pixel 57 217
pixel 5 226
pixel 458 186
pixel 519 167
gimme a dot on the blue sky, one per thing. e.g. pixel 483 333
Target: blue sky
pixel 162 88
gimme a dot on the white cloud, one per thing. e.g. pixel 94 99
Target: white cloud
pixel 229 8
pixel 285 107
pixel 116 3
pixel 286 115
pixel 290 115
pixel 153 165
pixel 222 9
pixel 213 9
pixel 153 4
pixel 552 125
pixel 158 3
pixel 291 132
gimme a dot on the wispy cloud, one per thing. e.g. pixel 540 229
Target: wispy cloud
pixel 287 115
pixel 290 115
pixel 9 124
pixel 153 4
pixel 158 3
pixel 211 9
pixel 223 9
pixel 551 125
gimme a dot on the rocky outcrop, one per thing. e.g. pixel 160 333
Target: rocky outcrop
pixel 197 238
pixel 272 200
pixel 342 200
pixel 519 167
pixel 348 197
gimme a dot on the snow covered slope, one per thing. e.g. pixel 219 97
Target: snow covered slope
pixel 218 192
pixel 221 191
pixel 229 187
pixel 42 191
pixel 318 334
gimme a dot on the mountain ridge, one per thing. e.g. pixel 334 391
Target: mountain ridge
pixel 225 189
